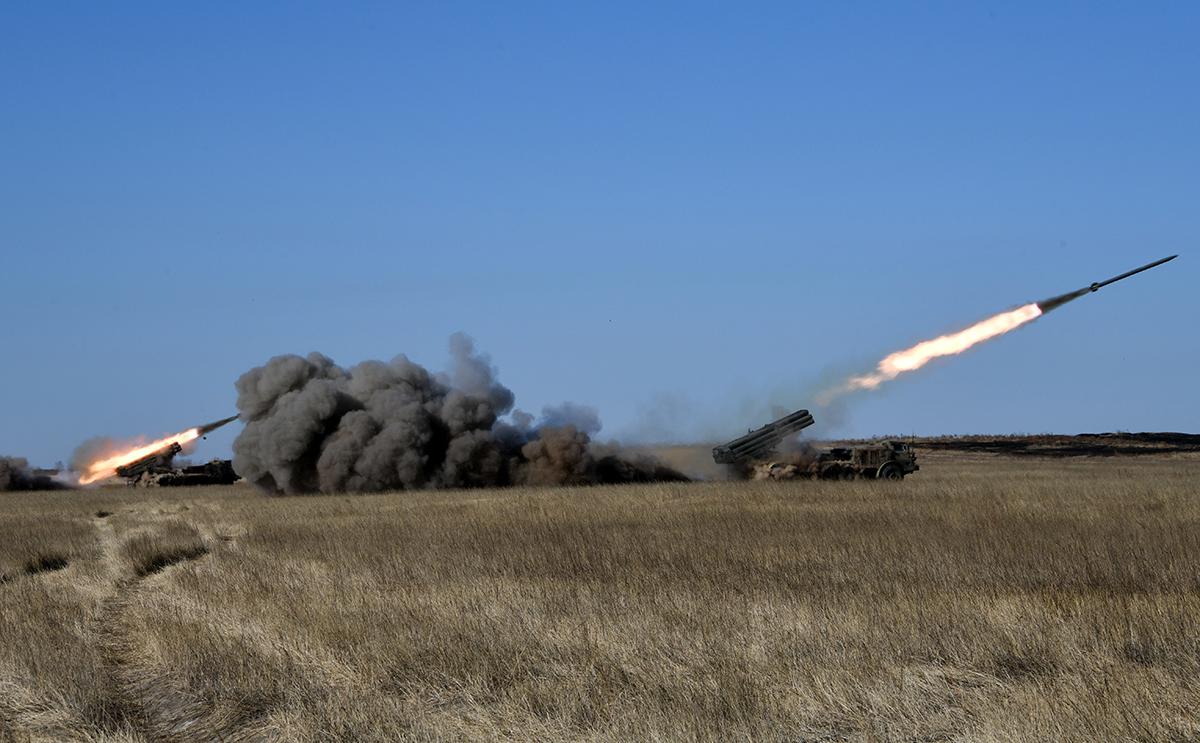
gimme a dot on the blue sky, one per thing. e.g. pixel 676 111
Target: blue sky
pixel 681 213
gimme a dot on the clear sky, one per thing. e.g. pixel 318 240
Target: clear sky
pixel 678 213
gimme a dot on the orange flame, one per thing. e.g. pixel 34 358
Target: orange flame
pixel 108 467
pixel 911 359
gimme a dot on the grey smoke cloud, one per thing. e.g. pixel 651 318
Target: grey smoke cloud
pixel 585 418
pixel 15 474
pixel 312 426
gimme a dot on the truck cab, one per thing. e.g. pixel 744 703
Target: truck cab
pixel 887 460
pixel 892 460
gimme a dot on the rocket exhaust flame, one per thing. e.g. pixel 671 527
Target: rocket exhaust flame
pixel 107 467
pixel 911 359
pixel 952 344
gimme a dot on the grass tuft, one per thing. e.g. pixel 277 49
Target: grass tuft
pixel 175 542
pixel 45 562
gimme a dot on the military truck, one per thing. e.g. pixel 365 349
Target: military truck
pixel 216 472
pixel 158 469
pixel 888 460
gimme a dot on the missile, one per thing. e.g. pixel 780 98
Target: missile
pixel 210 427
pixel 1054 302
pixel 1127 274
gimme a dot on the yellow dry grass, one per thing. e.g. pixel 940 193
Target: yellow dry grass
pixel 995 600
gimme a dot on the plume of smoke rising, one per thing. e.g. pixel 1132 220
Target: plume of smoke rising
pixel 582 417
pixel 674 418
pixel 312 426
pixel 16 475
pixel 91 450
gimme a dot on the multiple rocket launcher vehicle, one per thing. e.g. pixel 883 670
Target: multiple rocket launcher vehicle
pixel 888 460
pixel 157 469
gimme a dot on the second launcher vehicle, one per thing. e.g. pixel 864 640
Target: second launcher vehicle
pixel 887 460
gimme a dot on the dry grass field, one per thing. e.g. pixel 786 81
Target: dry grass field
pixel 985 599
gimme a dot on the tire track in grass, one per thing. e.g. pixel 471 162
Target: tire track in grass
pixel 27 715
pixel 160 701
pixel 158 706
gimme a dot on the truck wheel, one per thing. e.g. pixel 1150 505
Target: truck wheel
pixel 848 474
pixel 889 471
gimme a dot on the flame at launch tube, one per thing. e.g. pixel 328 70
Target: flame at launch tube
pixel 107 467
pixel 94 466
pixel 952 344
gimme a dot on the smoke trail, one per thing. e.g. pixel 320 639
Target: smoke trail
pixel 312 426
pixel 1054 303
pixel 16 475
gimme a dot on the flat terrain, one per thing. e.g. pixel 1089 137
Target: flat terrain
pixel 998 599
pixel 696 461
pixel 1119 444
